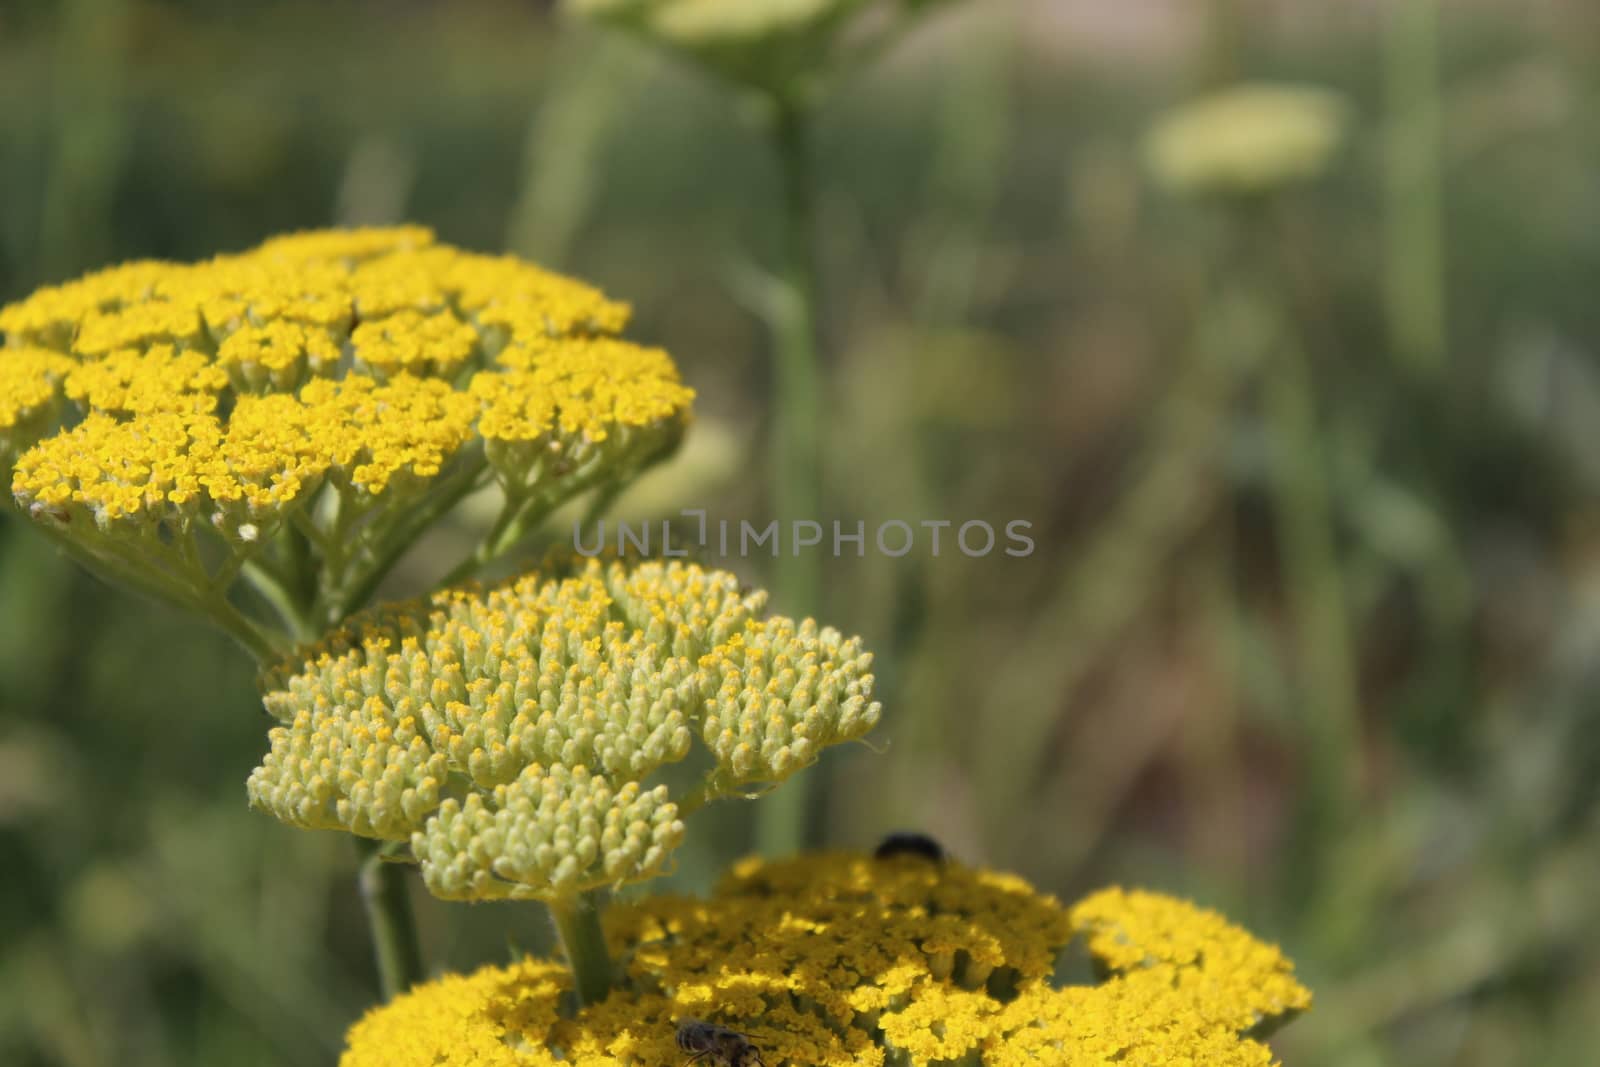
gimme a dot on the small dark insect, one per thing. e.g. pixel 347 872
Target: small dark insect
pixel 726 1048
pixel 909 844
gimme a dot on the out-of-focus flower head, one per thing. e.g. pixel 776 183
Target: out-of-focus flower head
pixel 1248 139
pixel 779 47
pixel 170 419
pixel 838 959
pixel 507 735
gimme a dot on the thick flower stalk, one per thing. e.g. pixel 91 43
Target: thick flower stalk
pixel 290 419
pixel 833 960
pixel 506 740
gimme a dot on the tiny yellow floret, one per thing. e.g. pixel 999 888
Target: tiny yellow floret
pixel 30 391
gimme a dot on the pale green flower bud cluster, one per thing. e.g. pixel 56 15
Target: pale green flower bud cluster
pixel 549 834
pixel 781 693
pixel 776 46
pixel 362 769
pixel 704 18
pixel 707 22
pixel 507 734
pixel 1249 139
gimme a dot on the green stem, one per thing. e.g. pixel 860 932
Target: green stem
pixel 264 645
pixel 302 521
pixel 154 582
pixel 508 528
pixel 577 923
pixel 1314 586
pixel 1414 287
pixel 604 497
pixel 272 588
pixel 389 920
pixel 526 510
pixel 699 797
pixel 796 472
pixel 303 569
pixel 1222 49
pixel 398 540
pixel 797 489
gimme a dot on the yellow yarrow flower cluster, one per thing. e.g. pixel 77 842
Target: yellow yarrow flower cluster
pixel 505 735
pixel 841 960
pixel 30 396
pixel 339 382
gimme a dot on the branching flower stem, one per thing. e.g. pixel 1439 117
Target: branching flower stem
pixel 272 587
pixel 262 644
pixel 357 592
pixel 509 526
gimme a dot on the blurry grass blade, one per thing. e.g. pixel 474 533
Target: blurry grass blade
pixel 561 160
pixel 1105 589
pixel 92 135
pixel 1412 189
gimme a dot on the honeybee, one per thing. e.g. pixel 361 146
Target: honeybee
pixel 724 1047
pixel 910 844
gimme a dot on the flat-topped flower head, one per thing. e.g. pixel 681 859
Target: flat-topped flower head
pixel 839 959
pixel 779 47
pixel 30 397
pixel 174 418
pixel 701 22
pixel 513 737
pixel 1248 139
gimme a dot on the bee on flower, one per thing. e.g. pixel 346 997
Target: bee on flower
pixel 716 1045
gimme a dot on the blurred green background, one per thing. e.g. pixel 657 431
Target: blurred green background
pixel 1312 631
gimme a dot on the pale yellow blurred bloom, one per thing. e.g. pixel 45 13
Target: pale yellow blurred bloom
pixel 1247 139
